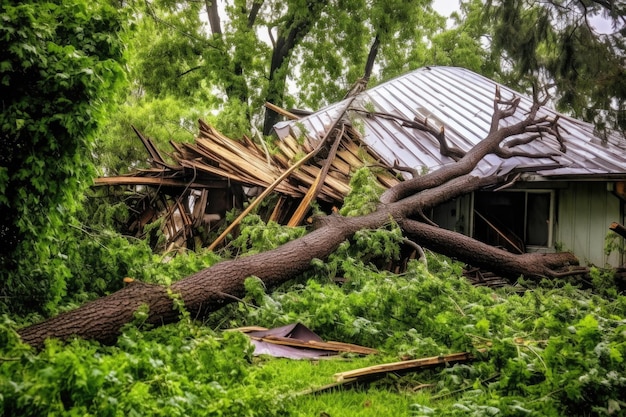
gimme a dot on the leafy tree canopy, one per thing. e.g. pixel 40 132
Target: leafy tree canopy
pixel 60 65
pixel 559 43
pixel 252 52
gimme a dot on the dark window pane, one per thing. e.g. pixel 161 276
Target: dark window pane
pixel 499 219
pixel 538 219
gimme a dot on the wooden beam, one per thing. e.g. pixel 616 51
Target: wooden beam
pixel 281 111
pixel 405 365
pixel 156 182
pixel 304 206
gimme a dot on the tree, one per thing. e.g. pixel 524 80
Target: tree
pixel 561 43
pixel 171 119
pixel 212 288
pixel 60 66
pixel 257 52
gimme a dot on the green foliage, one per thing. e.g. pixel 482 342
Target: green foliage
pixel 364 194
pixel 257 236
pixel 118 150
pixel 614 243
pixel 604 281
pixel 559 42
pixel 548 351
pixel 178 370
pixel 94 259
pixel 59 68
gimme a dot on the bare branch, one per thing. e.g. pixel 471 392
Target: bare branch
pixel 437 132
pixel 396 166
pixel 254 11
pixel 500 113
pixel 418 249
pixel 491 144
pixel 506 153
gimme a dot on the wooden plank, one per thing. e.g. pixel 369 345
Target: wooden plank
pixel 241 162
pixel 339 187
pixel 286 150
pixel 304 206
pixel 292 144
pixel 313 344
pixel 406 365
pixel 281 111
pixel 230 174
pixel 350 158
pixel 149 145
pixel 125 180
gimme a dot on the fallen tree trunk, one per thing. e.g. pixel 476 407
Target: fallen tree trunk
pixel 212 288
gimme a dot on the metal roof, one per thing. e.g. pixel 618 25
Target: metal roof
pixel 463 102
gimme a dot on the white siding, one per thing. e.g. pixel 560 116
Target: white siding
pixel 585 211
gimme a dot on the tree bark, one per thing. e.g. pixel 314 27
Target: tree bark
pixel 214 16
pixel 290 35
pixel 471 251
pixel 618 228
pixel 212 288
pixel 202 292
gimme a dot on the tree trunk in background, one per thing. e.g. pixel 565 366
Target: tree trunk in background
pixel 289 36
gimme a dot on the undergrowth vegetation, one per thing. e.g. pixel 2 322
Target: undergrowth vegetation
pixel 541 349
pixel 549 350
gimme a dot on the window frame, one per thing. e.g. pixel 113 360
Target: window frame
pixel 551 218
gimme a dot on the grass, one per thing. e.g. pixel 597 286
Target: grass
pixel 390 396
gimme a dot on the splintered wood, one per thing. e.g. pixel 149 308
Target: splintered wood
pixel 413 364
pixel 215 174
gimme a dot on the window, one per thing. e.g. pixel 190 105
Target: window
pixel 514 220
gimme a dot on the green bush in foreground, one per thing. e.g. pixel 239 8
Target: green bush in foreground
pixel 177 370
pixel 549 352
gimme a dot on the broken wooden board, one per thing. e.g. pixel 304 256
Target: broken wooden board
pixel 413 364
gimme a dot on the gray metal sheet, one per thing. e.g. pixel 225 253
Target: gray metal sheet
pixel 463 102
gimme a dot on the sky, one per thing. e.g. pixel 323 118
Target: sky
pixel 445 7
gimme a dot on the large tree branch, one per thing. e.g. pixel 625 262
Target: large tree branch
pixel 212 288
pixel 490 144
pixel 471 251
pixel 202 292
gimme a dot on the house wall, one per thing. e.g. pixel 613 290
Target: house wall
pixel 584 212
pixel 582 215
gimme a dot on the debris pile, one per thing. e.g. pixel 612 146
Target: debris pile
pixel 191 196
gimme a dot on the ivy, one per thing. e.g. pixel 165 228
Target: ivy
pixel 60 67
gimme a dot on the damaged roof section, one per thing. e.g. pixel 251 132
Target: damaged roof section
pixel 215 174
pixel 314 156
pixel 462 102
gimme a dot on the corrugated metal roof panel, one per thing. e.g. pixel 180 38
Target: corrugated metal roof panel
pixel 463 102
